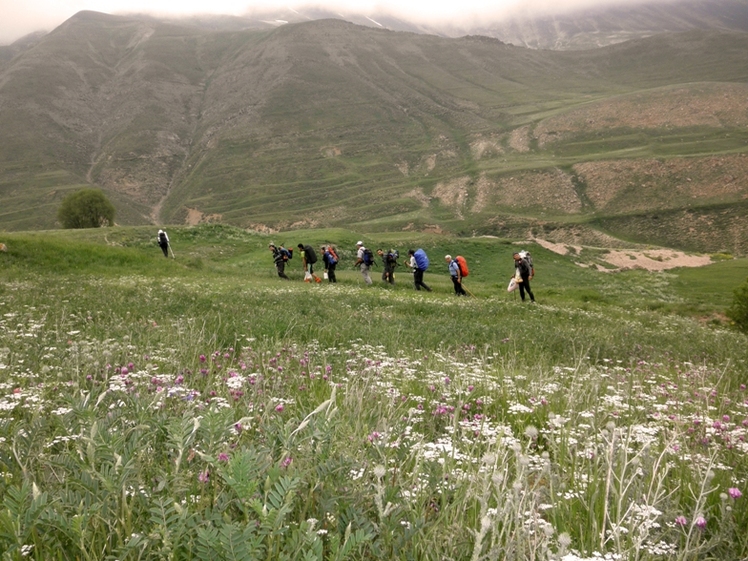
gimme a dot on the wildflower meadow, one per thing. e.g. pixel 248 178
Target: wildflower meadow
pixel 186 409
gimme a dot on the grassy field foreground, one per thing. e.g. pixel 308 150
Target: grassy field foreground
pixel 201 408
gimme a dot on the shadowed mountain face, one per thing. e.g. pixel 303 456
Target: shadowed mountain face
pixel 330 123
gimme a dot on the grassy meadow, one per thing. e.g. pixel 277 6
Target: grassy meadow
pixel 202 408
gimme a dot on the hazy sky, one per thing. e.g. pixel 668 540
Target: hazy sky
pixel 20 17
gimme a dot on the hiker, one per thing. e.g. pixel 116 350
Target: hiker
pixel 389 261
pixel 308 259
pixel 364 260
pixel 524 271
pixel 280 257
pixel 163 242
pixel 419 262
pixel 456 275
pixel 330 259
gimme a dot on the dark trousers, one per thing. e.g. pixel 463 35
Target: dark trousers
pixel 418 280
pixel 331 273
pixel 281 267
pixel 388 275
pixel 458 287
pixel 525 286
pixel 165 248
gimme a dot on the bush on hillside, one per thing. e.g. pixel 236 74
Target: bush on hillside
pixel 738 312
pixel 87 208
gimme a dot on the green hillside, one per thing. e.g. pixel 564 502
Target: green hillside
pixel 327 123
pixel 201 408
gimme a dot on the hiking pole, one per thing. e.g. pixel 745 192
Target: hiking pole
pixel 172 251
pixel 468 290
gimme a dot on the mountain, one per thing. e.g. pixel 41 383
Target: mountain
pixel 548 27
pixel 331 123
pixel 607 24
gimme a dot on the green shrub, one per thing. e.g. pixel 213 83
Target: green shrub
pixel 738 312
pixel 87 208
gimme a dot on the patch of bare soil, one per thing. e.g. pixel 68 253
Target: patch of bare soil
pixel 551 190
pixel 654 259
pixel 331 151
pixel 261 228
pixel 578 236
pixel 486 147
pixel 559 248
pixel 624 259
pixel 483 190
pixel 720 105
pixel 453 193
pixel 428 163
pixel 419 195
pixel 663 184
pixel 195 217
pixel 520 139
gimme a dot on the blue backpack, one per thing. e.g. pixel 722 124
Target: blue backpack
pixel 368 257
pixel 422 260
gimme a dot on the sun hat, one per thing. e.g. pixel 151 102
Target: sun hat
pixel 359 243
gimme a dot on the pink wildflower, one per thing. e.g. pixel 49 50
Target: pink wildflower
pixel 734 493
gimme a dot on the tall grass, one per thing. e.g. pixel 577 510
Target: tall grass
pixel 152 413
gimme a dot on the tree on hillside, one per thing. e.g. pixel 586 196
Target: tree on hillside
pixel 87 208
pixel 738 312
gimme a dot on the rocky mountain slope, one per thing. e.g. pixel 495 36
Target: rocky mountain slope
pixel 330 123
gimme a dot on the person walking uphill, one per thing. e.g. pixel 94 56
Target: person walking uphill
pixel 419 261
pixel 526 272
pixel 163 242
pixel 308 259
pixel 280 257
pixel 364 260
pixel 456 274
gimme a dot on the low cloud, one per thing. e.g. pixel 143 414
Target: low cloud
pixel 21 18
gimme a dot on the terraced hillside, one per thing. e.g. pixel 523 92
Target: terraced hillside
pixel 330 123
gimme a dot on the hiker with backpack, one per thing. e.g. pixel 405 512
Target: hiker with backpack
pixel 455 273
pixel 419 262
pixel 163 242
pixel 308 259
pixel 330 259
pixel 524 272
pixel 364 260
pixel 281 255
pixel 389 261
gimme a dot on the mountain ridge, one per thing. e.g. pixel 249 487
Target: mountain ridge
pixel 328 123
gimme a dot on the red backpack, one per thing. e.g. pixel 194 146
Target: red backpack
pixel 462 264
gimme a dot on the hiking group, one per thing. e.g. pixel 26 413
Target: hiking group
pixel 417 261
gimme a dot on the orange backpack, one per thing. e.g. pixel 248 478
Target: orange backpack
pixel 462 264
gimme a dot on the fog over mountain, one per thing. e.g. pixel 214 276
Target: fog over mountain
pixel 564 24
